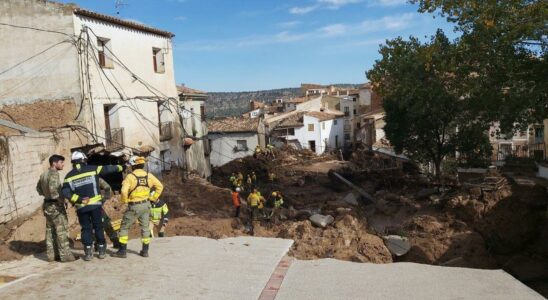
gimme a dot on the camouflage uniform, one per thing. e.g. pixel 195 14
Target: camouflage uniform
pixel 57 240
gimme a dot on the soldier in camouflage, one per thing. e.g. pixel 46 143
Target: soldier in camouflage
pixel 49 186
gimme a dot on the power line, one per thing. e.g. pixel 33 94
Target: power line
pixel 37 29
pixel 33 56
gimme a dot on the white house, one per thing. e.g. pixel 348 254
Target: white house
pixel 233 138
pixel 314 130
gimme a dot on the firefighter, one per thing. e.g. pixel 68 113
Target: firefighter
pixel 159 216
pixel 136 191
pixel 81 187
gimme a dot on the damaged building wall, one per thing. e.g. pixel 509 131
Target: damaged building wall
pixel 37 64
pixel 22 159
pixel 197 155
pixel 128 88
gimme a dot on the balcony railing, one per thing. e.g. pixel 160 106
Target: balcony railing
pixel 166 131
pixel 347 128
pixel 114 139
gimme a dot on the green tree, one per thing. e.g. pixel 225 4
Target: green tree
pixel 503 59
pixel 420 85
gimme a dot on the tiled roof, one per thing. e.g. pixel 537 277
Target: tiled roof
pixel 295 120
pixel 323 116
pixel 233 125
pixel 181 89
pixel 118 21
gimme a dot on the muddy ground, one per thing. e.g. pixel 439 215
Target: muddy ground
pixel 452 225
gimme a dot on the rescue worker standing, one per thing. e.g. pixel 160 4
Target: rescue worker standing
pixel 49 186
pixel 159 216
pixel 81 187
pixel 136 191
pixel 236 201
pixel 253 201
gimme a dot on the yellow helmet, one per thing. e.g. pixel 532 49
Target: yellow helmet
pixel 274 194
pixel 139 160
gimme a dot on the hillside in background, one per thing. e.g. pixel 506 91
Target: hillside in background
pixel 223 104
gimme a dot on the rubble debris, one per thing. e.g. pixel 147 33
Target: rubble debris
pixel 321 220
pixel 425 193
pixel 362 192
pixel 351 199
pixel 398 245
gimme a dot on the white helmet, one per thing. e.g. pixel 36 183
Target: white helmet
pixel 78 156
pixel 237 189
pixel 132 160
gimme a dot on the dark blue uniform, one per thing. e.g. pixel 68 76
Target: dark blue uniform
pixel 83 182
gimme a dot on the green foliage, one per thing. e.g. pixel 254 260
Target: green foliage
pixel 503 58
pixel 422 97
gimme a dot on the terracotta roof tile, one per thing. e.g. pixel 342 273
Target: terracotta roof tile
pixel 118 21
pixel 181 89
pixel 233 125
pixel 323 116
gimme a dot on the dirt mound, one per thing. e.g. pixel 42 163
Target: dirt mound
pixel 443 240
pixel 347 240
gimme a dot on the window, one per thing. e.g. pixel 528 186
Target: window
pixel 291 131
pixel 323 125
pixel 241 145
pixel 104 48
pixel 337 141
pixel 354 111
pixel 346 111
pixel 202 112
pixel 347 136
pixel 158 60
pixel 310 127
pixel 334 122
pixel 354 99
pixel 358 125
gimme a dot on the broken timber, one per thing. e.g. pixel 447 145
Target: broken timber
pixel 355 187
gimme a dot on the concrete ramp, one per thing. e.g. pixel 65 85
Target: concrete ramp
pixel 333 279
pixel 178 268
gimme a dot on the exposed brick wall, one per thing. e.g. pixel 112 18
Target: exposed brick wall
pixel 39 114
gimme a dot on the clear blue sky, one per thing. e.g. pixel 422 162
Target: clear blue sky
pixel 242 45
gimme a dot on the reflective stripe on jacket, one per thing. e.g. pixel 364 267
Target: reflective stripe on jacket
pixel 158 211
pixel 254 199
pixel 83 182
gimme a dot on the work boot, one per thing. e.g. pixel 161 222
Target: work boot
pixel 88 253
pixel 102 251
pixel 69 258
pixel 144 252
pixel 116 245
pixel 121 253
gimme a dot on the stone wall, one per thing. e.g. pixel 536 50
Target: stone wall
pixel 22 159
